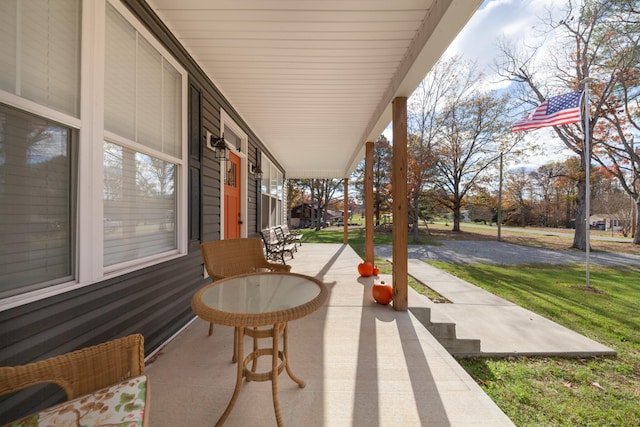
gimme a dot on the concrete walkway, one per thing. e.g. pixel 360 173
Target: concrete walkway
pixel 503 328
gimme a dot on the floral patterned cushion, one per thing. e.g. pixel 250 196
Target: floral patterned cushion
pixel 122 405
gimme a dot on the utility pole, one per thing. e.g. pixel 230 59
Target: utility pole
pixel 634 205
pixel 500 202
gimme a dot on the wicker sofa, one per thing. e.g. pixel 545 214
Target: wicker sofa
pixel 105 385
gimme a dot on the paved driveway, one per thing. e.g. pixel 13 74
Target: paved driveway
pixel 488 252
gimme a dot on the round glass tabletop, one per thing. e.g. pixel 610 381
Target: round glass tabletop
pixel 260 293
pixel 259 299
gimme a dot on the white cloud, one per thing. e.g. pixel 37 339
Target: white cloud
pixel 520 22
pixel 516 20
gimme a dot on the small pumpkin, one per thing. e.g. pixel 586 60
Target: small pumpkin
pixel 382 293
pixel 376 270
pixel 365 269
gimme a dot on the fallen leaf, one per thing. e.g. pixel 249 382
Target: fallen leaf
pixel 598 386
pixel 568 384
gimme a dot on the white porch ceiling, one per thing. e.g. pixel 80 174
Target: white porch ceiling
pixel 314 79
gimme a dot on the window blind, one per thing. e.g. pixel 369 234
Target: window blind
pixel 139 205
pixel 35 213
pixel 40 52
pixel 8 48
pixel 142 89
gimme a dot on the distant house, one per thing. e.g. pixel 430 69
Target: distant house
pixel 302 216
pixel 605 223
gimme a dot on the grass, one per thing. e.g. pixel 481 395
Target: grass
pixel 535 238
pixel 566 392
pixel 603 391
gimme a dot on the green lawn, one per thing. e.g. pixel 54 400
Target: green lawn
pixel 566 392
pixel 546 391
pixel 334 234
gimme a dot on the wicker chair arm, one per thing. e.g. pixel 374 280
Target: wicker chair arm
pixel 278 267
pixel 82 371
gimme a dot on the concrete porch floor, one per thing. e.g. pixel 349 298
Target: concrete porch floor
pixel 363 364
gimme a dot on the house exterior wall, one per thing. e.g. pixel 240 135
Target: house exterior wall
pixel 153 301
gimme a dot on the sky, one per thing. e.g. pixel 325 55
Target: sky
pixel 518 21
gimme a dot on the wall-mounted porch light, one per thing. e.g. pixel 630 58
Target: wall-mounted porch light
pixel 219 147
pixel 255 170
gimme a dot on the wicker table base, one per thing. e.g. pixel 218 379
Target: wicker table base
pixel 260 300
pixel 279 362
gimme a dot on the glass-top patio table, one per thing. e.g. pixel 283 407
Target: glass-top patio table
pixel 249 301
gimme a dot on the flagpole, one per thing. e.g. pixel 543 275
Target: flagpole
pixel 587 199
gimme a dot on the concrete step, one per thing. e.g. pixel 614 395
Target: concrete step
pixel 444 331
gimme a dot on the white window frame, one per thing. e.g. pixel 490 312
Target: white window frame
pixel 89 175
pixel 270 171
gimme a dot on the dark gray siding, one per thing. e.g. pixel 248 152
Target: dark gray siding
pixel 154 301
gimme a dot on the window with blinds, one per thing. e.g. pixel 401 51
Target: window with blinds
pixel 139 207
pixel 143 152
pixel 36 228
pixel 272 183
pixel 39 63
pixel 40 52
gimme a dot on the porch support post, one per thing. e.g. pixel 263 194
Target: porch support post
pixel 368 202
pixel 345 213
pixel 400 210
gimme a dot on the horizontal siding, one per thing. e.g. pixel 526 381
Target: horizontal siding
pixel 155 301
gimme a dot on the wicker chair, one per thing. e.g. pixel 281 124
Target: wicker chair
pixel 83 371
pixel 224 258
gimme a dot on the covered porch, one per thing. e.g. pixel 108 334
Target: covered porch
pixel 363 363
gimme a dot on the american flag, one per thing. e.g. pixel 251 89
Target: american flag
pixel 555 111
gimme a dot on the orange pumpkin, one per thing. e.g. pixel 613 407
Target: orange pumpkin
pixel 376 271
pixel 365 269
pixel 382 293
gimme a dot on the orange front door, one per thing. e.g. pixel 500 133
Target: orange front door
pixel 232 218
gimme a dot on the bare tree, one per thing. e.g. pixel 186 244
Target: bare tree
pixel 519 191
pixel 544 178
pixel 422 122
pixel 322 193
pixel 473 131
pixel 591 47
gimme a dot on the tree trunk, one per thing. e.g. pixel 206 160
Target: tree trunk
pixel 456 218
pixel 319 218
pixel 416 221
pixel 636 235
pixel 580 235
